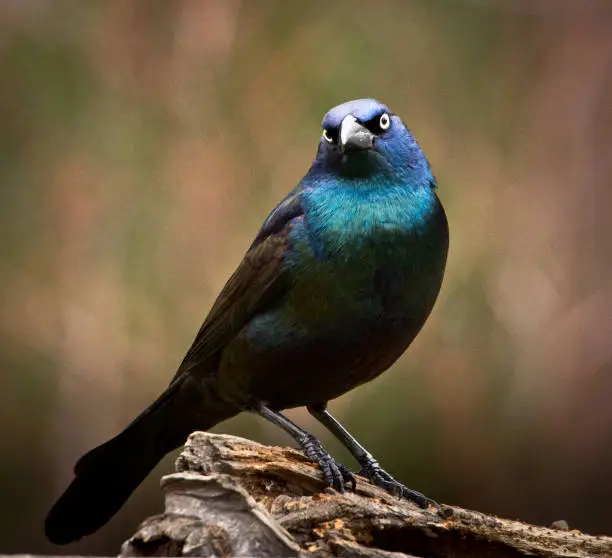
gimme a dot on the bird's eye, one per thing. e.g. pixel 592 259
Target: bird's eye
pixel 384 121
pixel 327 136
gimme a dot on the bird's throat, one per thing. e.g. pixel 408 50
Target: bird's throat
pixel 343 219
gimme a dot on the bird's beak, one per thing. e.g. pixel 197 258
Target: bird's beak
pixel 353 136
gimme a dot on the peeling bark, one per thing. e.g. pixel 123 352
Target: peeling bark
pixel 234 497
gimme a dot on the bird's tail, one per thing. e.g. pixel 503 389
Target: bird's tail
pixel 107 475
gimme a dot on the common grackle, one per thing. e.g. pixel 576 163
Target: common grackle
pixel 337 283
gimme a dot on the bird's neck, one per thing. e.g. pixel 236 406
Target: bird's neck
pixel 343 212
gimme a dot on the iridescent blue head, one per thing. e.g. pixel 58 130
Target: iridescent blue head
pixel 364 139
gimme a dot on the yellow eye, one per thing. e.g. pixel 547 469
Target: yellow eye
pixel 327 136
pixel 384 122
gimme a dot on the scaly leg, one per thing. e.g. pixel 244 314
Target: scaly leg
pixel 335 474
pixel 369 466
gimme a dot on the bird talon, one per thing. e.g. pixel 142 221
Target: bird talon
pixel 380 477
pixel 347 476
pixel 335 475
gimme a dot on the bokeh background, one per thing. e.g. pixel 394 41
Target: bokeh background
pixel 143 142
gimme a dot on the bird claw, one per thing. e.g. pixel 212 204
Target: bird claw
pixel 378 476
pixel 347 476
pixel 335 475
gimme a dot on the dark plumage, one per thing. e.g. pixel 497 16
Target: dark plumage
pixel 336 285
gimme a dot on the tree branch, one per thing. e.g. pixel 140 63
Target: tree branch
pixel 234 497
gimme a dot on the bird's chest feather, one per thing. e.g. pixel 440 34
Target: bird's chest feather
pixel 365 258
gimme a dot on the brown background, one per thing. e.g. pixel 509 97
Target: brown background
pixel 143 142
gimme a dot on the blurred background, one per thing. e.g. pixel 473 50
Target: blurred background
pixel 143 142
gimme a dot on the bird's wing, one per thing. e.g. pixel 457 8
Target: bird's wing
pixel 256 283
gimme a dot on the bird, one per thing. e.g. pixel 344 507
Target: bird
pixel 335 286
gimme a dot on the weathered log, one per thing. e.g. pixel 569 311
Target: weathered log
pixel 234 497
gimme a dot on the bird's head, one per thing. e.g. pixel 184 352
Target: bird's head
pixel 363 138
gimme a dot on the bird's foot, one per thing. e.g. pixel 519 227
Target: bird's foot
pixel 335 474
pixel 378 476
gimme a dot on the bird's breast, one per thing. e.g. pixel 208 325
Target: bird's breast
pixel 366 260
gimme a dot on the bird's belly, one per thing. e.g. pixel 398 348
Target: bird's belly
pixel 333 332
pixel 296 368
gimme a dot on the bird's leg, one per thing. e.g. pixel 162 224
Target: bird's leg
pixel 369 466
pixel 335 474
